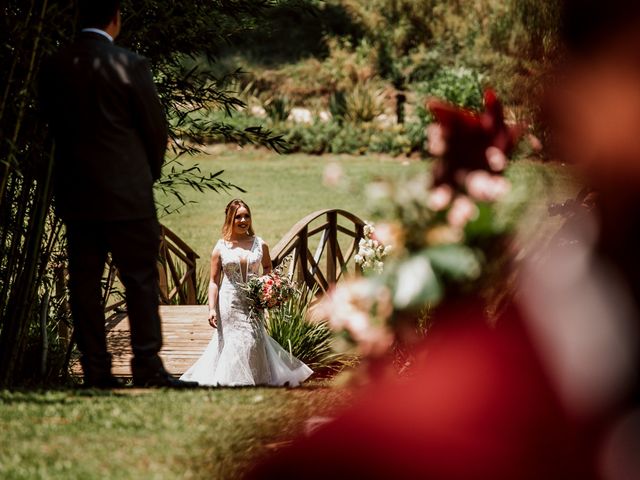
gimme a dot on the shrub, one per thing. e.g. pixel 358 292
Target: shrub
pixel 459 85
pixel 363 103
pixel 315 139
pixel 277 108
pixel 308 341
pixel 356 138
pixel 338 105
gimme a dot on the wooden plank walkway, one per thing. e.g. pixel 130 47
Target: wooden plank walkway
pixel 186 334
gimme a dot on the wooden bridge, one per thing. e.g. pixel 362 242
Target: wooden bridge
pixel 332 235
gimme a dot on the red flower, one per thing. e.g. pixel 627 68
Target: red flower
pixel 468 135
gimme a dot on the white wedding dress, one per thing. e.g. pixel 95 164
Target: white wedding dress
pixel 241 352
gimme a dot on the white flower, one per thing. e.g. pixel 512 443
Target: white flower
pixel 462 211
pixel 370 250
pixel 368 229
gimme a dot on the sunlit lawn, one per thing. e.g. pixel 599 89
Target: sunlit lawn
pixel 151 434
pixel 135 434
pixel 216 433
pixel 281 189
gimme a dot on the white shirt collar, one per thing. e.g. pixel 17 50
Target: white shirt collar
pixel 99 32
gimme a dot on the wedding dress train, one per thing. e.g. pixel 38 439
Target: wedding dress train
pixel 240 351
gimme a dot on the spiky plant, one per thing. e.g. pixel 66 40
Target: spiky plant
pixel 309 341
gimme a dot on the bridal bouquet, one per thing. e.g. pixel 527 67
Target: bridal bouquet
pixel 268 291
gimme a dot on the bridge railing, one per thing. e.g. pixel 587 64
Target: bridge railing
pixel 334 242
pixel 176 270
pixel 319 248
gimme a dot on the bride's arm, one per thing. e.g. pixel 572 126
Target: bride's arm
pixel 214 286
pixel 266 260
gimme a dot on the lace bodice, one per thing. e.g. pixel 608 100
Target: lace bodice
pixel 238 264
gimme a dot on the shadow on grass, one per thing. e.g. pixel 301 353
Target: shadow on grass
pixel 66 394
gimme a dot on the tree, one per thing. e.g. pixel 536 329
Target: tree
pixel 166 32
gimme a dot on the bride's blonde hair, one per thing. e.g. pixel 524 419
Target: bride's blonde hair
pixel 230 213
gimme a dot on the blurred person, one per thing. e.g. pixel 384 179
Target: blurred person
pixel 549 393
pixel 111 135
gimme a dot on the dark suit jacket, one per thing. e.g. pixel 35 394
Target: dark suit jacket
pixel 110 130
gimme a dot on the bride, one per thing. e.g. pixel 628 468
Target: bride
pixel 240 352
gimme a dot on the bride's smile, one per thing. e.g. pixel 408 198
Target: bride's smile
pixel 242 221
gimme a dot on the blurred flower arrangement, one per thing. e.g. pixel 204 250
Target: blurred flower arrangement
pixel 371 251
pixel 447 228
pixel 268 291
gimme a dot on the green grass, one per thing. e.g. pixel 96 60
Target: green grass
pixel 66 434
pixel 281 189
pixel 149 434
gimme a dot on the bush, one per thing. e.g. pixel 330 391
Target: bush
pixel 310 342
pixel 277 108
pixel 314 139
pixel 459 85
pixel 356 138
pixel 363 103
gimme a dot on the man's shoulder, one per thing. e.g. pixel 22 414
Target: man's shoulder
pixel 120 51
pixel 125 51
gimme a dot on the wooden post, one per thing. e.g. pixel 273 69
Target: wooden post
pixel 332 220
pixel 192 282
pixel 303 250
pixel 359 235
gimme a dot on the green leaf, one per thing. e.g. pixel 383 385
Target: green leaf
pixel 416 283
pixel 484 224
pixel 456 262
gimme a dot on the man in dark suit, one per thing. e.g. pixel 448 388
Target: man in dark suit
pixel 111 135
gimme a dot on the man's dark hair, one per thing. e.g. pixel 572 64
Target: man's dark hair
pixel 97 13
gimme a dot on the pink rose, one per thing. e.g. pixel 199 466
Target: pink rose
pixel 496 158
pixel 440 198
pixel 483 186
pixel 436 143
pixel 462 211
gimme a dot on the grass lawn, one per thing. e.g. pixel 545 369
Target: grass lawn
pixel 281 189
pixel 151 434
pixel 67 434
